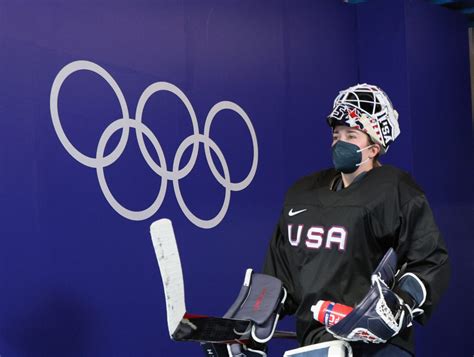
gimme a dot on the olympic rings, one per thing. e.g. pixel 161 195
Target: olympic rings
pixel 125 123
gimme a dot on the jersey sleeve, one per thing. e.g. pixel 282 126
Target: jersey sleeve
pixel 421 246
pixel 276 264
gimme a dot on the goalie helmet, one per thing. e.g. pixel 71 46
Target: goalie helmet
pixel 366 107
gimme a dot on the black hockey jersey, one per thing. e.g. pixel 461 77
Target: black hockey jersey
pixel 327 243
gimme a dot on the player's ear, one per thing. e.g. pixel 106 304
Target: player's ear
pixel 375 150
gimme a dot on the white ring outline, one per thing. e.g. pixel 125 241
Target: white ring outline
pixel 125 123
pixel 207 129
pixel 125 212
pixel 65 72
pixel 208 142
pixel 147 93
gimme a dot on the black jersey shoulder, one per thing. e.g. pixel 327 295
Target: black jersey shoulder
pixel 397 181
pixel 311 183
pixel 314 180
pixel 384 181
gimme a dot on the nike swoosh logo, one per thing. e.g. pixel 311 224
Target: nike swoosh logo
pixel 294 213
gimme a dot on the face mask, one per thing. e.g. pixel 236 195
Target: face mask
pixel 347 157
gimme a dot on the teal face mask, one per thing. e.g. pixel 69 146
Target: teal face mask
pixel 347 157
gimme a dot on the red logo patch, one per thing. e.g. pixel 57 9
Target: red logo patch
pixel 260 297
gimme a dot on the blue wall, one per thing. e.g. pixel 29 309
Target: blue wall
pixel 79 279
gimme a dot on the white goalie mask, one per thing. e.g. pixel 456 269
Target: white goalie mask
pixel 366 107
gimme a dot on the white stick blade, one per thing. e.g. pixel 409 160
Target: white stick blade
pixel 166 250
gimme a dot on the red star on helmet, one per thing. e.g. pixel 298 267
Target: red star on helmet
pixel 352 113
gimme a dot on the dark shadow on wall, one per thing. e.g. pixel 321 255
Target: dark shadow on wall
pixel 58 325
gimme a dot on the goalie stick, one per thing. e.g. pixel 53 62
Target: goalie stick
pixel 182 325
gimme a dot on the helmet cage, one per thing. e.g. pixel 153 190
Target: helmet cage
pixel 367 108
